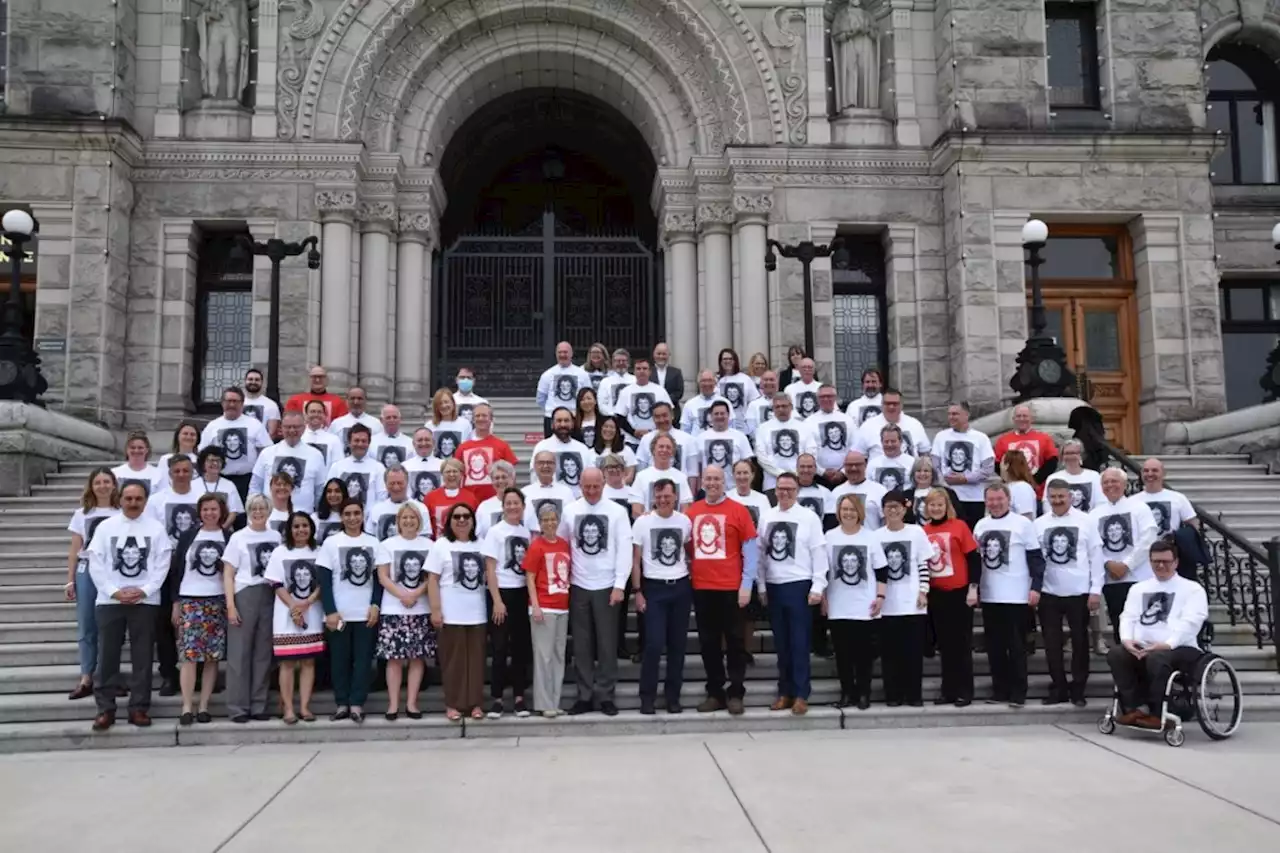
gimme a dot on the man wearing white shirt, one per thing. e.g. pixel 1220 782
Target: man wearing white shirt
pixel 697 409
pixel 760 409
pixel 341 427
pixel 870 403
pixel 559 385
pixel 544 489
pixel 660 576
pixel 804 391
pixel 668 376
pixel 572 456
pixel 1072 590
pixel 317 433
pixel 599 534
pixel 915 440
pixel 663 469
pixel 423 466
pixel 380 521
pixel 465 399
pixel 1126 529
pixel 815 497
pixel 779 442
pixel 614 381
pixel 721 445
pixel 176 509
pixel 1159 631
pixel 128 561
pixel 391 446
pixel 636 404
pixel 963 457
pixel 1170 508
pixel 870 493
pixel 891 468
pixel 259 406
pixel 793 575
pixel 1085 483
pixel 686 458
pixel 239 436
pixel 291 455
pixel 362 474
pixel 833 433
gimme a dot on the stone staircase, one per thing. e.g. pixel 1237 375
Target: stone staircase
pixel 38 649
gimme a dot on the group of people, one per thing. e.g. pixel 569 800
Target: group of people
pixel 847 528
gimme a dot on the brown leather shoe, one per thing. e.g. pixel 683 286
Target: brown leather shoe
pixel 800 707
pixel 82 691
pixel 1129 718
pixel 782 703
pixel 139 718
pixel 736 707
pixel 710 705
pixel 1148 721
pixel 104 721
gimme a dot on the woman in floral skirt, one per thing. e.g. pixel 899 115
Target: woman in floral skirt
pixel 200 604
pixel 297 623
pixel 405 635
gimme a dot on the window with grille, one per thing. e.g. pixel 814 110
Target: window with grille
pixel 224 319
pixel 1071 42
pixel 859 314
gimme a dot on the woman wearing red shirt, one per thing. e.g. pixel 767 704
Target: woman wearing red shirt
pixel 546 569
pixel 440 501
pixel 954 572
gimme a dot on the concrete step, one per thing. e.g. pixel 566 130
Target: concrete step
pixel 47 593
pixel 38 540
pixel 18 614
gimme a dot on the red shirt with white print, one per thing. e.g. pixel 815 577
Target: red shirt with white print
pixel 717 560
pixel 951 541
pixel 477 457
pixel 549 563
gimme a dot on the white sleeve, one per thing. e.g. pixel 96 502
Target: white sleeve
pixel 1184 626
pixel 382 555
pixel 622 535
pixel 1129 616
pixel 99 566
pixel 207 436
pixel 1145 536
pixel 258 480
pixel 817 545
pixel 745 451
pixel 1186 512
pixel 1093 553
pixel 157 563
pixel 544 389
pixel 274 573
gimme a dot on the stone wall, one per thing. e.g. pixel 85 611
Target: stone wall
pixel 1156 73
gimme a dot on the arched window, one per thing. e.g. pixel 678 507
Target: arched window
pixel 1244 85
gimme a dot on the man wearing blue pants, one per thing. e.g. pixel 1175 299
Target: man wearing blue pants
pixel 664 594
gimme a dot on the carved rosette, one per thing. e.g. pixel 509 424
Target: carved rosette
pixel 753 205
pixel 715 215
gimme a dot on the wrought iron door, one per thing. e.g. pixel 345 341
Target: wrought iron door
pixel 505 301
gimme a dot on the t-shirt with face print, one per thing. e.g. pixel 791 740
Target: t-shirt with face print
pixel 906 553
pixel 854 560
pixel 352 563
pixel 460 566
pixel 406 562
pixel 202 575
pixel 506 544
pixel 1003 544
pixel 663 542
pixel 249 551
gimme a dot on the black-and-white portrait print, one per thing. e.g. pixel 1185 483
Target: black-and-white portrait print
pixel 146 485
pixel 833 435
pixel 447 442
pixel 295 468
pixel 807 403
pixel 1059 545
pixel 719 452
pixel 300 577
pixel 410 569
pixel 642 405
pixel 261 556
pixel 589 435
pixel 423 483
pixel 513 554
pixel 893 479
pixel 704 418
pixel 179 518
pixel 325 529
pixel 566 388
pixel 592 534
pixel 959 457
pixel 386 526
pixel 993 545
pixel 733 392
pixel 90 526
pixel 917 505
pixel 465 411
pixel 346 441
pixel 255 411
pixel 539 503
pixel 851 564
pixel 1116 532
pixel 357 565
pixel 206 558
pixel 1162 511
pixel 764 413
pixel 677 458
pixel 780 541
pixel 278 525
pixel 786 443
pixel 897 556
pixel 357 485
pixel 569 468
pixel 666 546
pixel 391 456
pixel 234 442
pixel 323 450
pixel 1156 607
pixel 131 556
pixel 1081 496
pixel 867 413
pixel 468 569
pixel 754 512
pixel 814 504
pixel 617 392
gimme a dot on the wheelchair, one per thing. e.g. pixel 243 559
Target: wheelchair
pixel 1209 692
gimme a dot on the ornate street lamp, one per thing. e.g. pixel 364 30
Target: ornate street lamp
pixel 20 377
pixel 806 253
pixel 1042 365
pixel 277 250
pixel 1270 380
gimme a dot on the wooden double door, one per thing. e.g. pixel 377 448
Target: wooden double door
pixel 1098 329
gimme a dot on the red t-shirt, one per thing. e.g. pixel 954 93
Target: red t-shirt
pixel 717 560
pixel 334 406
pixel 438 503
pixel 1038 447
pixel 951 541
pixel 477 457
pixel 548 563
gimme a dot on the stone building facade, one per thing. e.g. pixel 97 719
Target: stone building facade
pixel 922 132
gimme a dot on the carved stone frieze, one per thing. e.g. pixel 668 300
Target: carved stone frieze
pixel 297 45
pixel 790 56
pixel 715 213
pixel 415 221
pixel 760 204
pixel 331 201
pixel 377 211
pixel 679 223
pixel 257 175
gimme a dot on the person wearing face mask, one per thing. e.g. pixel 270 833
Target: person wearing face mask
pixel 291 455
pixel 465 399
pixel 618 378
pixel 258 405
pixel 481 452
pixel 317 434
pixel 696 414
pixel 356 414
pixel 870 403
pixel 392 446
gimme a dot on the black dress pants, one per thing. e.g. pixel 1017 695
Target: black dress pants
pixel 1075 610
pixel 512 646
pixel 953 623
pixel 855 646
pixel 902 657
pixel 1145 679
pixel 1003 625
pixel 720 637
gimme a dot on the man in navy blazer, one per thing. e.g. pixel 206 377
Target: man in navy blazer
pixel 668 376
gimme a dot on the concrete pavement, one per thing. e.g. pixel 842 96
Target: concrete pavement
pixel 1047 788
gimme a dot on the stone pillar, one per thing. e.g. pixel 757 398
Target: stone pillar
pixel 168 121
pixel 336 209
pixel 977 375
pixel 905 365
pixel 900 70
pixel 262 230
pixel 816 60
pixel 823 307
pixel 264 79
pixel 353 308
pixel 682 254
pixel 750 233
pixel 716 247
pixel 410 387
pixel 53 292
pixel 376 220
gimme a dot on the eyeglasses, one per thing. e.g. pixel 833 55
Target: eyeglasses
pixel 461 516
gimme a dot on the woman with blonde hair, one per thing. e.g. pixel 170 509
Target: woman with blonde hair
pixel 597 365
pixel 853 599
pixel 954 574
pixel 100 500
pixel 448 429
pixel 1016 474
pixel 405 635
pixel 757 366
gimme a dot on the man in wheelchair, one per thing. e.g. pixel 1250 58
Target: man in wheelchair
pixel 1158 634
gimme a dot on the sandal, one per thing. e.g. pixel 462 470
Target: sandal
pixel 452 715
pixel 290 720
pixel 477 714
pixel 308 717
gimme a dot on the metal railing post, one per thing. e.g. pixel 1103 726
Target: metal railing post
pixel 1273 566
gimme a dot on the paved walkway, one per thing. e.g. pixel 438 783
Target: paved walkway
pixel 982 790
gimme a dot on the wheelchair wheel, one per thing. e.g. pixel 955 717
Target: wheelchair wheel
pixel 1107 725
pixel 1219 701
pixel 1174 737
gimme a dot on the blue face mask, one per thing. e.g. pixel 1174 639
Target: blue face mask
pixel 465 385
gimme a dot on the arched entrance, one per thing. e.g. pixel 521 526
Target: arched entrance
pixel 548 236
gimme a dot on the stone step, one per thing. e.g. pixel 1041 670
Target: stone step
pixel 1206 460
pixel 46 593
pixel 38 540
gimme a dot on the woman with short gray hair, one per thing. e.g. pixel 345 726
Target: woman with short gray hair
pixel 489 513
pixel 547 568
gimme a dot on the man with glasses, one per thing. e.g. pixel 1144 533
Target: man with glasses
pixel 334 407
pixel 544 489
pixel 915 439
pixel 356 414
pixel 833 434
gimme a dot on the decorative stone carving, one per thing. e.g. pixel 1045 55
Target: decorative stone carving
pixel 749 204
pixel 295 54
pixel 855 48
pixel 331 201
pixel 790 57
pixel 376 211
pixel 223 29
pixel 715 213
pixel 679 223
pixel 415 221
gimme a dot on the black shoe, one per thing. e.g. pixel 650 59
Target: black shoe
pixel 943 700
pixel 168 688
pixel 894 703
pixel 580 707
pixel 637 658
pixel 204 717
pixel 1079 702
pixel 608 709
pixel 864 702
pixel 916 704
pixel 340 714
pixel 495 710
pixel 963 703
pixel 646 707
pixel 1052 699
pixel 843 701
pixel 675 708
pixel 240 718
pixel 751 659
pixel 391 716
pixel 261 717
pixel 186 719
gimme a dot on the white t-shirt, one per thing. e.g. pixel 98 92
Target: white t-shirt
pixel 328 445
pixel 624 497
pixel 833 434
pixel 536 494
pixel 148 477
pixel 449 436
pixel 392 450
pixel 741 391
pixel 85 524
pixel 968 453
pixel 817 499
pixel 906 556
pixel 248 553
pixel 424 475
pixel 686 455
pixel 341 427
pixel 326 527
pixel 757 504
pixel 724 449
pixel 662 543
pixel 1023 497
pixel 611 389
pixel 203 568
pixel 241 441
pixel 636 403
pixel 162 469
pixel 759 411
pixel 175 513
pixel 854 559
pixel 129 552
pixel 779 445
pixel 1072 553
pixel 628 455
pixel 506 544
pixel 1171 611
pixel 1086 488
pixel 914 438
pixel 277 521
pixel 262 409
pixel 891 473
pixel 1003 544
pixel 380 521
pixel 572 458
pixel 353 563
pixel 303 463
pixel 872 495
pixel 223 487
pixel 1126 531
pixel 646 479
pixel 363 477
pixel 558 388
pixel 804 398
pixel 1170 509
pixel 864 408
pixel 460 566
pixel 695 414
pixel 488 514
pixel 600 543
pixel 294 569
pixel 406 562
pixel 466 404
pixel 792 548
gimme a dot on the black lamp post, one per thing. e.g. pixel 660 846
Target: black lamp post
pixel 806 253
pixel 276 251
pixel 1270 380
pixel 20 377
pixel 1042 365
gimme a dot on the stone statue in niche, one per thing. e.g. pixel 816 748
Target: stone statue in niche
pixel 855 48
pixel 223 29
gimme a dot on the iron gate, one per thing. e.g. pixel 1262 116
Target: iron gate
pixel 505 301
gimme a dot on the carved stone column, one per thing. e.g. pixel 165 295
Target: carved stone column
pixel 377 220
pixel 751 232
pixel 337 214
pixel 679 228
pixel 411 295
pixel 267 22
pixel 715 244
